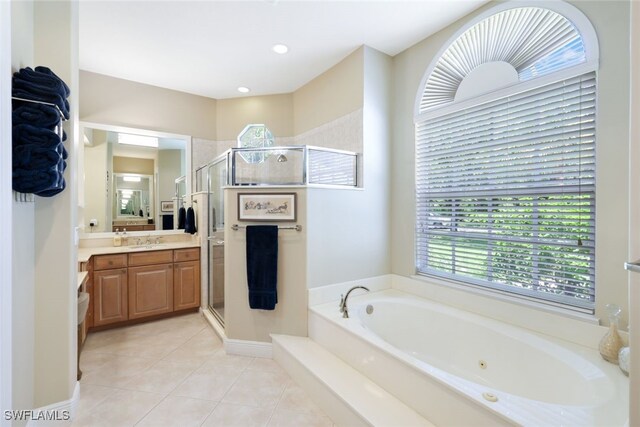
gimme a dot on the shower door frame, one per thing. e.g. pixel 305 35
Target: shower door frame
pixel 211 229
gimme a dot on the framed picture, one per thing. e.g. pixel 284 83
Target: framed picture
pixel 266 206
pixel 166 206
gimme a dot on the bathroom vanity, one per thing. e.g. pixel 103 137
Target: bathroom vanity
pixel 132 284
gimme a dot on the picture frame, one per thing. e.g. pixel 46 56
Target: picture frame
pixel 273 207
pixel 166 206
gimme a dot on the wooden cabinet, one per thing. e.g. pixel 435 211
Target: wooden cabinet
pixel 150 290
pixel 144 284
pixel 110 293
pixel 186 285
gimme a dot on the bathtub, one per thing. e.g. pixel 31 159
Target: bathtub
pixel 458 368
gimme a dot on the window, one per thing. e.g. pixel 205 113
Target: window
pixel 505 181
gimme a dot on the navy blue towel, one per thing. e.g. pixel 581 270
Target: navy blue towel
pixel 62 103
pixel 41 81
pixel 38 180
pixel 44 116
pixel 190 222
pixel 182 217
pixel 262 266
pixel 167 222
pixel 34 156
pixel 29 134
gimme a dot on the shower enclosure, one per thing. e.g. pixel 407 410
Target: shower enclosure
pixel 272 166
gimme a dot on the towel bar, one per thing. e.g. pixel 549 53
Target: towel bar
pixel 296 227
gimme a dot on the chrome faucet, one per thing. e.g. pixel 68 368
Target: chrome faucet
pixel 343 301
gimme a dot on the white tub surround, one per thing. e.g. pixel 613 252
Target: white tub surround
pixel 347 396
pixel 450 365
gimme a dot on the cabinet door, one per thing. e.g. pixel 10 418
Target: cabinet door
pixel 186 285
pixel 150 290
pixel 110 292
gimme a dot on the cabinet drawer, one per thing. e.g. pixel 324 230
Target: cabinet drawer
pixel 190 254
pixel 151 257
pixel 104 262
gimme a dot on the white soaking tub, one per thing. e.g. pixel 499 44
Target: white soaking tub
pixel 458 368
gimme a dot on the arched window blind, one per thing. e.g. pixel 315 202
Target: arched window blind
pixel 506 190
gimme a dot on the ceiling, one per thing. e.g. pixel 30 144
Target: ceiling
pixel 210 48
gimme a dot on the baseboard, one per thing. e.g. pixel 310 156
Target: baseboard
pixel 248 348
pixel 51 415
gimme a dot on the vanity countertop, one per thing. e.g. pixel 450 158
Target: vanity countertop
pixel 85 253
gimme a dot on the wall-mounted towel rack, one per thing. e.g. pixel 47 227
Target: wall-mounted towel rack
pixel 15 98
pixel 296 227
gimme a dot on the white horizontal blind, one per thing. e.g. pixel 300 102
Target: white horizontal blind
pixel 332 168
pixel 506 189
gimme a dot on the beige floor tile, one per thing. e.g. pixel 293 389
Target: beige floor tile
pixel 123 408
pixel 283 418
pixel 117 371
pixel 229 415
pixel 178 411
pixel 198 349
pixel 227 361
pixel 265 365
pixel 296 399
pixel 210 384
pixel 162 377
pixel 91 395
pixel 90 361
pixel 258 389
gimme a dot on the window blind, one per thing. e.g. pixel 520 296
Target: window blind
pixel 506 193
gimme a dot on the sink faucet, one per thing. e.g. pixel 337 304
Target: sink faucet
pixel 148 239
pixel 343 301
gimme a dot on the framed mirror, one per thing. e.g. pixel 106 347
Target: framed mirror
pixel 127 174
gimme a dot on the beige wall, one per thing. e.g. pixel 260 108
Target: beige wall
pixel 274 111
pixel 333 94
pixel 23 250
pixel 55 369
pixel 170 163
pixel 95 184
pixel 112 101
pixel 290 314
pixel 611 21
pixel 133 165
pixel 348 230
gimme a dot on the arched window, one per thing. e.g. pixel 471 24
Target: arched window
pixel 505 156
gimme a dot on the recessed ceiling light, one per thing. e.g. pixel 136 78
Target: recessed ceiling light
pixel 131 178
pixel 280 48
pixel 243 89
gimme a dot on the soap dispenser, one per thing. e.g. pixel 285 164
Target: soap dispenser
pixel 611 343
pixel 117 240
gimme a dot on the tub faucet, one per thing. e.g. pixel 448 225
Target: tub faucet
pixel 343 301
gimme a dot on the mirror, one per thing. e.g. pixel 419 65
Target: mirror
pixel 129 174
pixel 133 196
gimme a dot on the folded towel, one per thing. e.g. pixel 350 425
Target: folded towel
pixel 40 115
pixel 37 180
pixel 53 191
pixel 29 134
pixel 262 266
pixel 167 222
pixel 56 99
pixel 34 156
pixel 41 81
pixel 190 222
pixel 182 217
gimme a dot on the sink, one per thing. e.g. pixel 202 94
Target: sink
pixel 149 247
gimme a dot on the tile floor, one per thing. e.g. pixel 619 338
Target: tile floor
pixel 174 372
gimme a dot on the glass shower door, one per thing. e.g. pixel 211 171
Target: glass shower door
pixel 216 180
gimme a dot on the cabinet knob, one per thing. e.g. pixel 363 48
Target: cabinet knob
pixel 110 262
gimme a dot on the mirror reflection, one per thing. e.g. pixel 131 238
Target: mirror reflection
pixel 127 177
